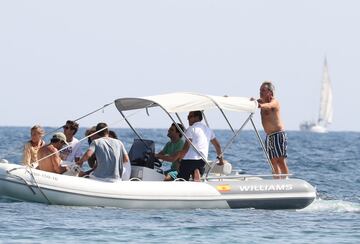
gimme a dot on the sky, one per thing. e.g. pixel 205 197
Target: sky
pixel 60 60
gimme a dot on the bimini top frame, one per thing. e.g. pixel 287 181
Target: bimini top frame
pixel 187 101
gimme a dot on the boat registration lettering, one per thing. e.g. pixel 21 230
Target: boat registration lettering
pixel 44 175
pixel 276 187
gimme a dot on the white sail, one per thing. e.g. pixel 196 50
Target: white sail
pixel 326 109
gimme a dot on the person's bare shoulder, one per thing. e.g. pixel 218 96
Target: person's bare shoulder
pixel 52 149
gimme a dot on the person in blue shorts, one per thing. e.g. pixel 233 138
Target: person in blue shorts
pixel 276 139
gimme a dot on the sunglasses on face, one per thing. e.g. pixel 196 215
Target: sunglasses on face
pixel 67 127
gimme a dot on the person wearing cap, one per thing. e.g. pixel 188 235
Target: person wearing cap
pixel 32 147
pixel 49 157
pixel 72 152
pixel 110 155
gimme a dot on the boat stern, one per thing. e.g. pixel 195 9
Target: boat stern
pixel 267 193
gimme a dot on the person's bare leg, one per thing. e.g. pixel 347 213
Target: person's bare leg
pixel 168 178
pixel 276 167
pixel 283 166
pixel 197 175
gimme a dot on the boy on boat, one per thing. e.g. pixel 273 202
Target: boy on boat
pixel 72 152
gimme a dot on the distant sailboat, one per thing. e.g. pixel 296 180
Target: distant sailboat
pixel 326 109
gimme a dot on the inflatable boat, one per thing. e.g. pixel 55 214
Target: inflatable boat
pixel 219 188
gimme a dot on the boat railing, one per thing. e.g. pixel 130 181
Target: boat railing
pixel 244 177
pixel 135 179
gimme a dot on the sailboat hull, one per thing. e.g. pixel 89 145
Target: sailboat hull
pixel 313 128
pixel 318 129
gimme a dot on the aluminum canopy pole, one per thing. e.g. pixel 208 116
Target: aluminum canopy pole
pixel 227 121
pixel 232 139
pixel 177 115
pixel 263 146
pixel 183 133
pixel 127 121
pixel 81 117
pixel 138 135
pixel 222 112
pixel 204 117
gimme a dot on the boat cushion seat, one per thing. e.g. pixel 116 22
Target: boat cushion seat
pixel 221 169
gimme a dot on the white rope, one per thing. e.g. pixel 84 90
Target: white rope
pixel 85 138
pixel 29 168
pixel 15 152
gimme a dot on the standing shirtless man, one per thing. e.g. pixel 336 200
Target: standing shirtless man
pixel 276 139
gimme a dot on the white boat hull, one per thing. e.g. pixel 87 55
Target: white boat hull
pixel 313 128
pixel 318 129
pixel 18 182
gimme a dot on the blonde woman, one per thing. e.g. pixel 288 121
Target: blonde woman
pixel 31 147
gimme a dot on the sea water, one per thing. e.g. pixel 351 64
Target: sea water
pixel 329 161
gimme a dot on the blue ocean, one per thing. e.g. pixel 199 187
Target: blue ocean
pixel 329 161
